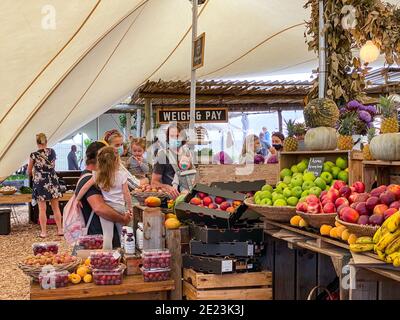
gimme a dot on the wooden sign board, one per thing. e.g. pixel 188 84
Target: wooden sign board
pixel 316 165
pixel 198 51
pixel 182 115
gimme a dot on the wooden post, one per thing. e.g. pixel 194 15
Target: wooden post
pixel 147 119
pixel 173 239
pixel 139 122
pixel 128 125
pixel 280 120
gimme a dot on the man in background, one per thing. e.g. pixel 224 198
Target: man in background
pixel 73 159
pixel 265 140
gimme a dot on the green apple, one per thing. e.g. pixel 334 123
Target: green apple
pixel 315 190
pixel 301 167
pixel 298 174
pixel 294 169
pixel 292 201
pixel 335 172
pixel 329 163
pixel 257 200
pixel 341 163
pixel 280 203
pixel 309 176
pixel 285 172
pixel 302 199
pixel 287 180
pixel 267 187
pixel 287 192
pixel 319 182
pixel 344 176
pixel 307 185
pixel 305 193
pixel 328 188
pixel 297 191
pixel 297 181
pixel 265 194
pixel 280 186
pixel 277 196
pixel 326 168
pixel 266 202
pixel 327 177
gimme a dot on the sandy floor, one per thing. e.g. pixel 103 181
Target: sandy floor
pixel 14 284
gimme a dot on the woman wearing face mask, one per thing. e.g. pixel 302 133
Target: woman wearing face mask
pixel 277 139
pixel 163 171
pixel 251 148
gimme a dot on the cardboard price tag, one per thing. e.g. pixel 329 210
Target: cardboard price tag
pixel 316 165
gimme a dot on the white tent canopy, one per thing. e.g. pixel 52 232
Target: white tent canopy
pixel 54 80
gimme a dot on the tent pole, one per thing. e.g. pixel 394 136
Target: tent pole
pixel 98 127
pixel 193 73
pixel 128 125
pixel 138 122
pixel 147 119
pixel 280 120
pixel 321 52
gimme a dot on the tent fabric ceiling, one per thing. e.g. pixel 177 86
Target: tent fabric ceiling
pixel 55 81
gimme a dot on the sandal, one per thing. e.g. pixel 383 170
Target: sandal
pixel 42 236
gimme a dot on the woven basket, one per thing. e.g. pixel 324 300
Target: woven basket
pixel 316 220
pixel 278 214
pixel 8 193
pixel 359 230
pixel 34 271
pixel 142 196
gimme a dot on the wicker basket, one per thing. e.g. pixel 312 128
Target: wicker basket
pixel 8 193
pixel 359 230
pixel 142 196
pixel 278 214
pixel 316 220
pixel 34 271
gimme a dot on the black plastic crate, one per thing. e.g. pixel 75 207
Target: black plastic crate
pixel 208 264
pixel 223 249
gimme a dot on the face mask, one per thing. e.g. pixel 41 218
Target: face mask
pixel 277 146
pixel 175 144
pixel 120 150
pixel 258 150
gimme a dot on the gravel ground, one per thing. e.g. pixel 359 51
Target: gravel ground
pixel 14 284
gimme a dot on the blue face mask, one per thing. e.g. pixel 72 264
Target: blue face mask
pixel 175 144
pixel 120 150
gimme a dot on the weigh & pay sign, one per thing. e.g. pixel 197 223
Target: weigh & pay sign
pixel 209 115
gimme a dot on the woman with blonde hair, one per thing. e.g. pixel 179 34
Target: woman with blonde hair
pixel 251 148
pixel 113 183
pixel 45 183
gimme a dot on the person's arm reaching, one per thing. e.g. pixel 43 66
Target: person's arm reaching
pixel 98 205
pixel 156 181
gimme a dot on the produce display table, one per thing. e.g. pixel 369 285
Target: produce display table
pixel 18 198
pixel 132 288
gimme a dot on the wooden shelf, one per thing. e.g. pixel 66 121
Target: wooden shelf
pixel 381 163
pixel 18 198
pixel 317 152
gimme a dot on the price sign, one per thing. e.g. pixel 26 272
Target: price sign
pixel 316 165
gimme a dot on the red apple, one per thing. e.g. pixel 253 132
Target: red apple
pixel 332 194
pixel 345 192
pixel 372 203
pixel 219 200
pixel 389 212
pixel 394 188
pixel 387 197
pixel 311 199
pixel 325 201
pixel 329 208
pixel 341 201
pixel 378 191
pixel 350 215
pixel 212 206
pixel 376 219
pixel 353 197
pixel 362 197
pixel 361 208
pixel 323 194
pixel 314 208
pixel 225 205
pixel 359 186
pixel 195 201
pixel 380 209
pixel 338 184
pixel 395 204
pixel 339 209
pixel 207 201
pixel 302 207
pixel 201 195
pixel 363 220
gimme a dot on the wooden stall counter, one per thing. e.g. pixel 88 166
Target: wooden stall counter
pixel 132 288
pixel 18 198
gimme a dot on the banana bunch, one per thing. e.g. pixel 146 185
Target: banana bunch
pixel 362 244
pixel 387 240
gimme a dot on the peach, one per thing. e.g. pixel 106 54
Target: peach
pixel 302 207
pixel 207 201
pixel 338 184
pixel 341 201
pixel 195 201
pixel 225 205
pixel 345 192
pixel 372 203
pixel 350 215
pixel 389 212
pixel 395 189
pixel 340 208
pixel 219 200
pixel 361 208
pixel 201 195
pixel 380 209
pixel 332 194
pixel 387 197
pixel 212 206
pixel 237 203
pixel 363 220
pixel 230 209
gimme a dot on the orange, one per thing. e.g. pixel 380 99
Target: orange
pixel 352 239
pixel 74 278
pixel 88 278
pixel 82 271
pixel 295 220
pixel 325 230
pixel 345 235
pixel 337 224
pixel 340 231
pixel 87 262
pixel 334 232
pixel 303 223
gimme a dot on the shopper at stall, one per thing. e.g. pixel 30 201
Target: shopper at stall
pixel 113 183
pixel 266 140
pixel 163 171
pixel 93 201
pixel 277 145
pixel 138 165
pixel 46 187
pixel 251 148
pixel 73 159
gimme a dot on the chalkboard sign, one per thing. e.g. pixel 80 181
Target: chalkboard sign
pixel 315 165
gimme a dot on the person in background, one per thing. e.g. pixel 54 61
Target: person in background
pixel 277 145
pixel 46 187
pixel 222 158
pixel 265 146
pixel 267 136
pixel 138 165
pixel 73 159
pixel 251 147
pixel 93 201
pixel 113 183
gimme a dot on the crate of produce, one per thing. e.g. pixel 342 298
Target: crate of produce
pixel 156 259
pixel 152 275
pixel 211 206
pixel 91 242
pixel 109 277
pixel 208 264
pixel 231 249
pixel 205 234
pixel 42 247
pixel 53 280
pixel 105 259
pixel 236 286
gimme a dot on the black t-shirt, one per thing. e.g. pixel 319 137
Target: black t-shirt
pixel 95 225
pixel 164 168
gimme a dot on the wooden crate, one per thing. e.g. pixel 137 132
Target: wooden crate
pixel 133 264
pixel 207 174
pixel 377 172
pixel 236 286
pixel 354 158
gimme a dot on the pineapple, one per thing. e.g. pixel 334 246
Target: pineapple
pixel 366 152
pixel 388 110
pixel 300 130
pixel 345 140
pixel 290 143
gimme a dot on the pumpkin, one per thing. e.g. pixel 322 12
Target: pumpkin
pixel 385 147
pixel 321 138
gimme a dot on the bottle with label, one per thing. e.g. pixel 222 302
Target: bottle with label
pixel 130 243
pixel 123 236
pixel 139 236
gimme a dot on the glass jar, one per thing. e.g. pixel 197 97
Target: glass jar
pixel 130 244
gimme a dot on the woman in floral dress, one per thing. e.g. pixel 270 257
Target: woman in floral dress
pixel 45 183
